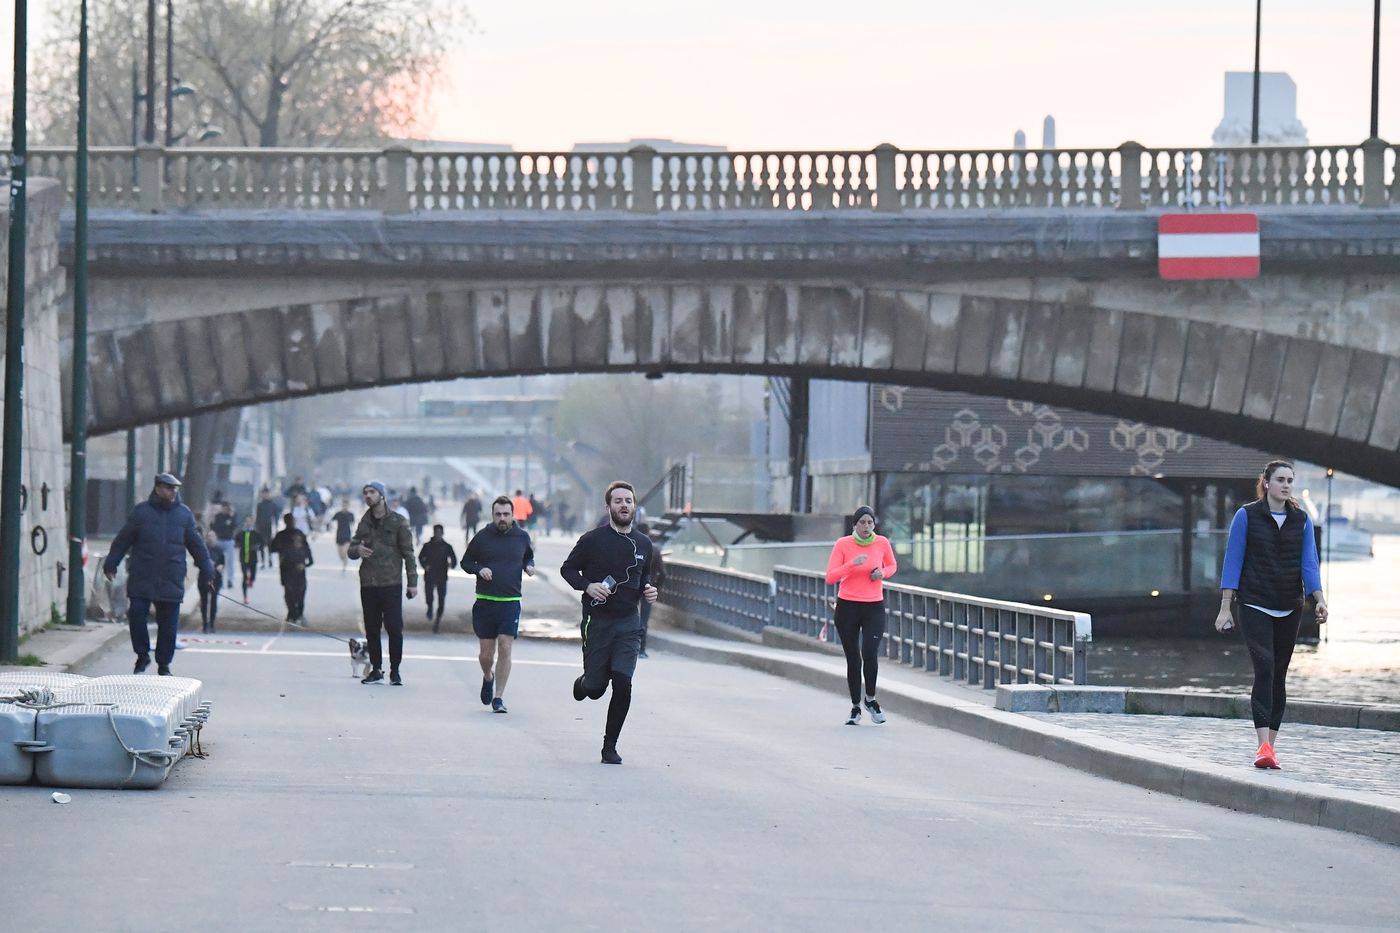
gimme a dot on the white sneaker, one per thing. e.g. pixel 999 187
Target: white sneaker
pixel 876 716
pixel 854 718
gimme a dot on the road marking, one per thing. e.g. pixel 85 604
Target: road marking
pixel 335 909
pixel 282 652
pixel 391 866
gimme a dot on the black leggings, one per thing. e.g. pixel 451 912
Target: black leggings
pixel 383 606
pixel 250 573
pixel 1270 642
pixel 861 626
pixel 209 604
pixel 432 585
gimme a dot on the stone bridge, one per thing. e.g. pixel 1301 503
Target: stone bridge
pixel 1036 281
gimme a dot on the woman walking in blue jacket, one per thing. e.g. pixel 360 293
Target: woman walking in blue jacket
pixel 1270 563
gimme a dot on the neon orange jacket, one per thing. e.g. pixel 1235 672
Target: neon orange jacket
pixel 856 585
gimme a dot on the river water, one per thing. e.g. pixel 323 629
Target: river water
pixel 1358 660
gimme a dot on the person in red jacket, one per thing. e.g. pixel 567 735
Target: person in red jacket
pixel 861 562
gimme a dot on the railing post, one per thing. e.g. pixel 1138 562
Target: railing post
pixel 643 180
pixel 395 197
pixel 886 187
pixel 1130 177
pixel 149 176
pixel 1373 172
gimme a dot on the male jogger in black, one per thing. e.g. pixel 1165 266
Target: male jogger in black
pixel 294 556
pixel 609 564
pixel 250 544
pixel 436 557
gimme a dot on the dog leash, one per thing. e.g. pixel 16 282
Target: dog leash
pixel 283 622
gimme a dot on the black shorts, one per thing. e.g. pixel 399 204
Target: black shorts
pixel 610 646
pixel 493 618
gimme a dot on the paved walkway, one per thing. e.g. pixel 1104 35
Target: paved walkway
pixel 1359 759
pixel 744 803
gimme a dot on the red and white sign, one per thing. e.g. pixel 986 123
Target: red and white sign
pixel 1208 246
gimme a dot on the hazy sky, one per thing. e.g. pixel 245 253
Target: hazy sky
pixel 813 73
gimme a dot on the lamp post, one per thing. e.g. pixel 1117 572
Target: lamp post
pixel 11 463
pixel 77 475
pixel 1376 73
pixel 1254 120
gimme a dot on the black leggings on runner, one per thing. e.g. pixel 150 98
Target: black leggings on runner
pixel 861 626
pixel 250 573
pixel 1270 642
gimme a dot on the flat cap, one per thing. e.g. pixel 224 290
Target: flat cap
pixel 168 479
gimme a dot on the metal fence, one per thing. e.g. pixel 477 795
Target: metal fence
pixel 975 640
pixel 399 179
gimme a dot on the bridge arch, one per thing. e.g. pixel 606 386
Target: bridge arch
pixel 1302 394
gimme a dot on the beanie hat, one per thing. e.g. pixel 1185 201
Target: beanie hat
pixel 862 511
pixel 377 487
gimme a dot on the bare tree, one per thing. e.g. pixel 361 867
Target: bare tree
pixel 267 72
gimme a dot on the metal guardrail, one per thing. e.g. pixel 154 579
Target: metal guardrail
pixel 399 179
pixel 972 639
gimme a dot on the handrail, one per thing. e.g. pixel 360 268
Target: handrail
pixel 402 178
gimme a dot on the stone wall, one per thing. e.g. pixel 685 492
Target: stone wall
pixel 45 471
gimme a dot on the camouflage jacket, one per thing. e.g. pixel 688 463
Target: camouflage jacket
pixel 391 542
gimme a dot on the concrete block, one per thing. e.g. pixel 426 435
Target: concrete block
pixel 1300 365
pixel 1314 713
pixel 1265 370
pixel 1025 698
pixel 1038 341
pixel 1008 332
pixel 1215 705
pixel 1135 358
pixel 557 319
pixel 524 328
pixel 941 333
pixel 490 305
pixel 749 324
pixel 717 324
pixel 1234 344
pixel 1328 389
pixel 590 326
pixel 1156 702
pixel 1363 390
pixel 879 338
pixel 1075 329
pixel 1385 718
pixel 780 323
pixel 816 325
pixel 1101 357
pixel 1385 429
pixel 1091 699
pixel 975 326
pixel 1168 359
pixel 653 323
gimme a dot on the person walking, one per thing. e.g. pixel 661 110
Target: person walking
pixel 157 535
pixel 250 545
pixel 498 555
pixel 861 562
pixel 293 557
pixel 471 516
pixel 209 596
pixel 656 573
pixel 520 505
pixel 417 513
pixel 1270 564
pixel 383 544
pixel 267 511
pixel 302 515
pixel 609 564
pixel 344 531
pixel 225 526
pixel 436 557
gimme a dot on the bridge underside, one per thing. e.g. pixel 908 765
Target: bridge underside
pixel 1306 395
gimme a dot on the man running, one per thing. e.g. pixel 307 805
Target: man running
pixel 267 511
pixel 471 516
pixel 436 557
pixel 294 556
pixel 498 554
pixel 383 544
pixel 250 545
pixel 417 513
pixel 224 527
pixel 344 523
pixel 609 564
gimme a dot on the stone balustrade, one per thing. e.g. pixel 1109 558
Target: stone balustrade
pixel 399 179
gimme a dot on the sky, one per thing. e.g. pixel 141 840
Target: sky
pixel 547 74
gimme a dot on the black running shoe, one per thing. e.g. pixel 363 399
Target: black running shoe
pixel 578 688
pixel 854 718
pixel 642 653
pixel 610 755
pixel 498 706
pixel 143 661
pixel 876 715
pixel 487 685
pixel 430 612
pixel 395 679
pixel 373 677
pixel 163 670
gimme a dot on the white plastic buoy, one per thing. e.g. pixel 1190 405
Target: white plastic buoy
pixel 60 797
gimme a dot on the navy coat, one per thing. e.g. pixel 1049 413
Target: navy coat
pixel 157 535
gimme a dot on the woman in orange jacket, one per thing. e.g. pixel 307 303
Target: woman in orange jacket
pixel 861 562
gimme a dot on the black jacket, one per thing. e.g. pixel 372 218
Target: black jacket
pixel 436 557
pixel 1272 575
pixel 607 552
pixel 506 554
pixel 291 548
pixel 223 526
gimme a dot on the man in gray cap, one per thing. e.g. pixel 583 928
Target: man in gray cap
pixel 383 544
pixel 157 534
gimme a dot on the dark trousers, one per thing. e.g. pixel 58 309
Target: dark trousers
pixel 610 648
pixel 294 590
pixel 431 586
pixel 266 532
pixel 209 603
pixel 250 573
pixel 861 626
pixel 167 623
pixel 383 607
pixel 1270 642
pixel 645 609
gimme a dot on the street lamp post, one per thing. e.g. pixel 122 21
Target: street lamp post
pixel 12 462
pixel 1376 73
pixel 1254 121
pixel 77 476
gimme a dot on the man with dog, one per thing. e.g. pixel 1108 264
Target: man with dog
pixel 383 544
pixel 498 554
pixel 610 564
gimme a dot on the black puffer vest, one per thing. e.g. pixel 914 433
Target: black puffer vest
pixel 1273 558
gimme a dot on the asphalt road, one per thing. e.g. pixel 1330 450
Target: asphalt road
pixel 743 803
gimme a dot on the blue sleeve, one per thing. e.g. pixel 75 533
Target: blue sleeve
pixel 121 544
pixel 1234 552
pixel 1312 578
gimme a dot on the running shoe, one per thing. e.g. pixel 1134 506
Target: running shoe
pixel 373 677
pixel 487 683
pixel 578 688
pixel 642 653
pixel 1265 758
pixel 876 715
pixel 395 679
pixel 610 755
pixel 499 706
pixel 164 671
pixel 142 662
pixel 854 718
